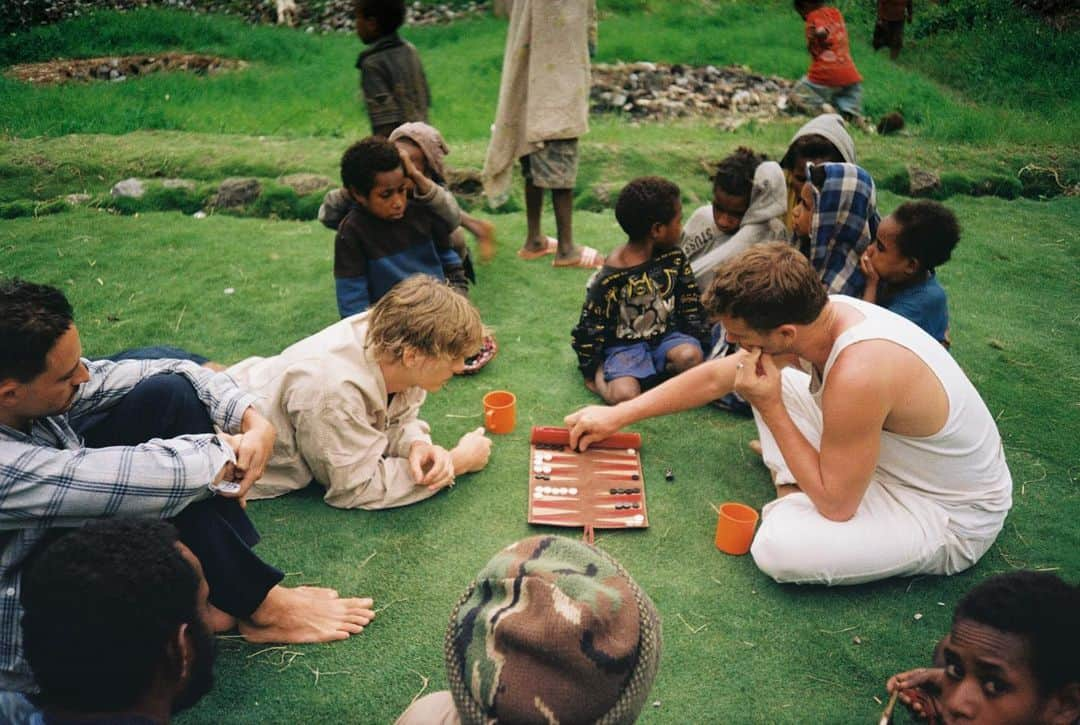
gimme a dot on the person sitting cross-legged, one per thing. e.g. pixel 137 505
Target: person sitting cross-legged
pixel 885 459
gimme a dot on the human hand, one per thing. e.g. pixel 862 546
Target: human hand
pixel 757 379
pixel 472 452
pixel 431 465
pixel 925 681
pixel 422 183
pixel 226 481
pixel 867 267
pixel 590 424
pixel 256 446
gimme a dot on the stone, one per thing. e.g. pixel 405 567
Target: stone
pixel 236 192
pixel 606 193
pixel 77 199
pixel 464 182
pixel 131 188
pixel 922 182
pixel 304 184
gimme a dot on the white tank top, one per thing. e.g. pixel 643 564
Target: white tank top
pixel 962 466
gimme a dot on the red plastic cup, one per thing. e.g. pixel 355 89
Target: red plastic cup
pixel 735 528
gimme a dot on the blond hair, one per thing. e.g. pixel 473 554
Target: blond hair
pixel 425 314
pixel 767 286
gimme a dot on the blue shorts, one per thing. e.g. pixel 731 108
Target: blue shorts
pixel 643 360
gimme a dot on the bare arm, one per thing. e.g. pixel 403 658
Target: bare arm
pixel 855 403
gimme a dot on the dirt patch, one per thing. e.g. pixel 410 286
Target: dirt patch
pixel 120 68
pixel 657 91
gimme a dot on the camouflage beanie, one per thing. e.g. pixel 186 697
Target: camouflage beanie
pixel 552 631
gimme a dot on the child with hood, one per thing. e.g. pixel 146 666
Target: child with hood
pixel 748 208
pixel 821 139
pixel 835 221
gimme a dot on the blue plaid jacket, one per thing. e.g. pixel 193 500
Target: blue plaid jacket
pixel 845 222
pixel 48 479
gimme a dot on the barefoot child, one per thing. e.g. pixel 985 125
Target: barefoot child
pixel 642 317
pixel 834 223
pixel 1009 658
pixel 899 266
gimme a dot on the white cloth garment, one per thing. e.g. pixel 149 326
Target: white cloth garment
pixel 935 504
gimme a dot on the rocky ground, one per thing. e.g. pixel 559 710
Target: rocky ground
pixel 119 68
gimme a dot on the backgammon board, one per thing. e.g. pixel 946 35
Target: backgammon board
pixel 602 488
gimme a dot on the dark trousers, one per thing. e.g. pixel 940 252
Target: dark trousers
pixel 216 530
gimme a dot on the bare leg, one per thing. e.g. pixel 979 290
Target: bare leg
pixel 215 366
pixel 306 614
pixel 220 621
pixel 534 205
pixel 617 390
pixel 484 231
pixel 681 358
pixel 563 202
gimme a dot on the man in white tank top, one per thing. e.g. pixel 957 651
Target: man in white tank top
pixel 886 460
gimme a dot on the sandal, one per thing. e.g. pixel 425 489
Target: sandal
pixel 551 245
pixel 588 259
pixel 487 353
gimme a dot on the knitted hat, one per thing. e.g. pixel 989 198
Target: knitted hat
pixel 552 630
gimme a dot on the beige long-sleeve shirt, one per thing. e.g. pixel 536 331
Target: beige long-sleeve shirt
pixel 327 398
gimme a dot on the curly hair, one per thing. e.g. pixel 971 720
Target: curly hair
pixel 32 319
pixel 646 201
pixel 101 604
pixel 1039 607
pixel 366 158
pixel 928 232
pixel 735 173
pixel 389 15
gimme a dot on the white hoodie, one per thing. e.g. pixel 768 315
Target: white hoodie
pixel 707 247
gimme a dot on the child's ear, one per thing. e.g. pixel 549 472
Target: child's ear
pixel 356 195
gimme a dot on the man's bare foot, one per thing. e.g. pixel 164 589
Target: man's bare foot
pixel 579 256
pixel 306 614
pixel 536 248
pixel 755 446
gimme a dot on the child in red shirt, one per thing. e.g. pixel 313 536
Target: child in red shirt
pixel 832 78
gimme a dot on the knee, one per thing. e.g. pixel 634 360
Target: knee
pixel 622 389
pixel 683 357
pixel 173 399
pixel 781 555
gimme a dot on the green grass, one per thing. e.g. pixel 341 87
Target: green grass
pixel 738 647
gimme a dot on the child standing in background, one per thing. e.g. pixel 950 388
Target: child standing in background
pixel 889 28
pixel 899 266
pixel 832 78
pixel 391 77
pixel 642 316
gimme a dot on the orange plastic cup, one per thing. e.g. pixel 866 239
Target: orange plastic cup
pixel 735 528
pixel 500 411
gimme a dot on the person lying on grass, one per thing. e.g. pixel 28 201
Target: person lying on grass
pixel 899 266
pixel 1009 658
pixel 642 317
pixel 885 459
pixel 116 626
pixel 385 237
pixel 82 440
pixel 346 401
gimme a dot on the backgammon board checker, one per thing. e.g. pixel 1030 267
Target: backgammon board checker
pixel 602 488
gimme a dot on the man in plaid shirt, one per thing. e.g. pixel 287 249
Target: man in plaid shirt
pixel 83 440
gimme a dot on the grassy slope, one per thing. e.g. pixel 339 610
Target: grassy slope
pixel 768 653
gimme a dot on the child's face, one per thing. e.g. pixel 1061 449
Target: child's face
pixel 885 255
pixel 988 677
pixel 366 27
pixel 387 198
pixel 728 210
pixel 668 236
pixel 431 373
pixel 803 213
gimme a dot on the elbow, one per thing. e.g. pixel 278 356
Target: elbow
pixel 838 511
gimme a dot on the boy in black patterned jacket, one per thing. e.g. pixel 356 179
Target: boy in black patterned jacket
pixel 642 318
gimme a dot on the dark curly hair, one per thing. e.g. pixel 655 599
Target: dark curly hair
pixel 811 147
pixel 32 319
pixel 389 15
pixel 735 173
pixel 1039 607
pixel 643 202
pixel 928 232
pixel 101 604
pixel 366 158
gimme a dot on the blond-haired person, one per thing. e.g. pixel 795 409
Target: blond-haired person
pixel 886 460
pixel 346 401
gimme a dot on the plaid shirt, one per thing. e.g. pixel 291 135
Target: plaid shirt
pixel 845 222
pixel 48 479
